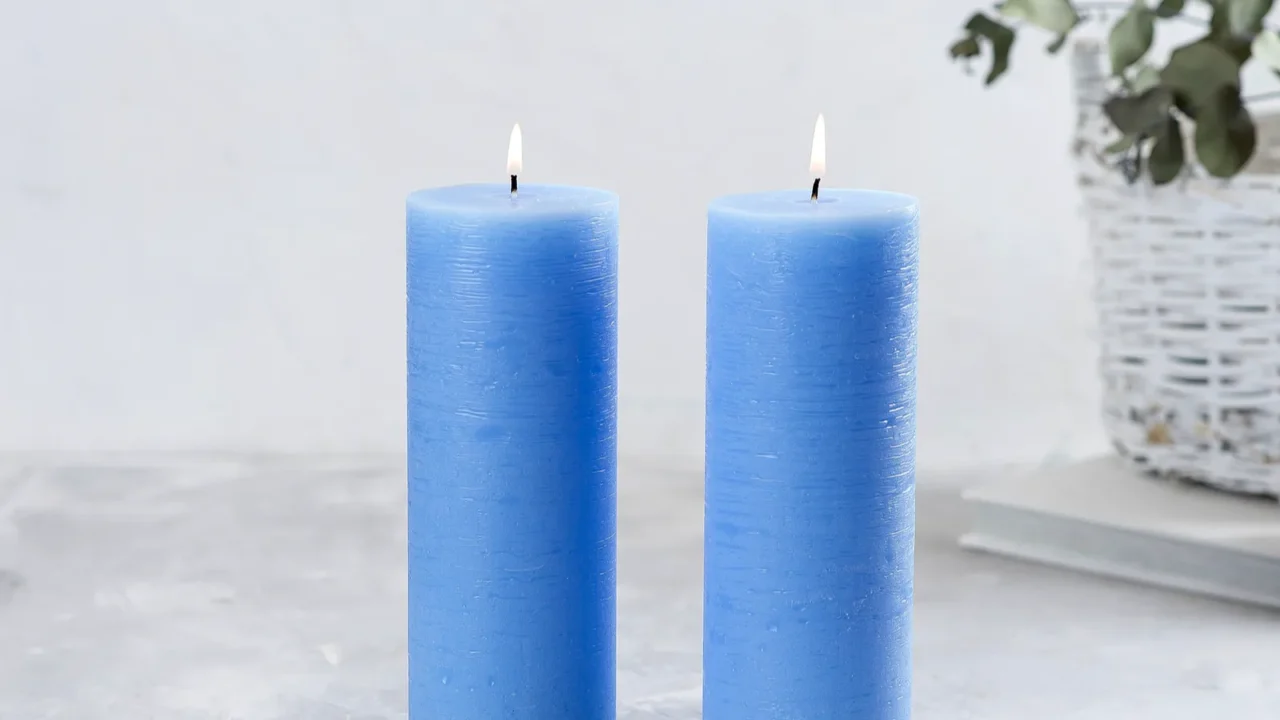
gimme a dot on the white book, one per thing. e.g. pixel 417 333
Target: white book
pixel 1102 516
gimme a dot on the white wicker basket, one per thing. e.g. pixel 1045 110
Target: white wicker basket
pixel 1188 293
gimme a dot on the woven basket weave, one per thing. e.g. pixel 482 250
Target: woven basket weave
pixel 1188 293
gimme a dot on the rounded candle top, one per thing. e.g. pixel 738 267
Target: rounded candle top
pixel 532 200
pixel 797 205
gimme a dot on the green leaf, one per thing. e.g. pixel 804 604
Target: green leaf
pixel 1170 8
pixel 1196 73
pixel 1266 49
pixel 1139 114
pixel 1168 153
pixel 1000 37
pixel 1056 16
pixel 1244 17
pixel 1121 145
pixel 1131 37
pixel 1221 34
pixel 1225 134
pixel 1056 45
pixel 965 47
pixel 1145 78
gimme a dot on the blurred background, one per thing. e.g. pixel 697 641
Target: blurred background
pixel 201 206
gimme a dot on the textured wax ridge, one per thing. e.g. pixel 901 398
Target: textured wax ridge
pixel 512 345
pixel 810 456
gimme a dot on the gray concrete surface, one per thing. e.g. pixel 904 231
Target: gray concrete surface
pixel 255 588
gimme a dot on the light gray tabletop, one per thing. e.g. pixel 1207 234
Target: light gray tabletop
pixel 252 588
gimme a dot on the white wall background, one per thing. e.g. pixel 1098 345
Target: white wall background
pixel 201 203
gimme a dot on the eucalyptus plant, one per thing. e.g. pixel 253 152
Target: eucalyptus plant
pixel 1195 96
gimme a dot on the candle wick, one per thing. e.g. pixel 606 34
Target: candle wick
pixel 513 186
pixel 813 197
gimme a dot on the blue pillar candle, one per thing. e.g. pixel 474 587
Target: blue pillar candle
pixel 512 344
pixel 810 467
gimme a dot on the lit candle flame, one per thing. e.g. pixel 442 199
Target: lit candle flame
pixel 818 158
pixel 515 152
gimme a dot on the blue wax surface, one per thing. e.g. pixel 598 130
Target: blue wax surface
pixel 810 456
pixel 512 347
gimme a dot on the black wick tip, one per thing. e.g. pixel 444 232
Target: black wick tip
pixel 513 184
pixel 813 197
